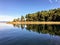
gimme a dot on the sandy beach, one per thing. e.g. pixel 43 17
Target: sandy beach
pixel 33 22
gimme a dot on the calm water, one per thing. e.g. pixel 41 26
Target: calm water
pixel 29 34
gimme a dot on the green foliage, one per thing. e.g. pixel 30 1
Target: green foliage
pixel 51 15
pixel 15 20
pixel 22 18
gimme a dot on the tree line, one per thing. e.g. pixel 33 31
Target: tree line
pixel 49 15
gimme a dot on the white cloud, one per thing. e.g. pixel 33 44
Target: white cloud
pixel 6 18
pixel 51 1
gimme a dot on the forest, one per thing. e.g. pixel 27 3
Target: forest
pixel 49 15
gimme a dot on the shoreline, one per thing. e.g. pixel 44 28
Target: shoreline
pixel 33 22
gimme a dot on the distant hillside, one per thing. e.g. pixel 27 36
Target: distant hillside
pixel 3 21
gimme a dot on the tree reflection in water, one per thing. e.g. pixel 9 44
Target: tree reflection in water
pixel 41 28
pixel 19 26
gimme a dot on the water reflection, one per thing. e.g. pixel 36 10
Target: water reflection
pixel 30 35
pixel 41 28
pixel 17 25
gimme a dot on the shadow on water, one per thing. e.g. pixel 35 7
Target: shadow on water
pixel 41 28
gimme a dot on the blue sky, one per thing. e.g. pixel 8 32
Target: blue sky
pixel 10 9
